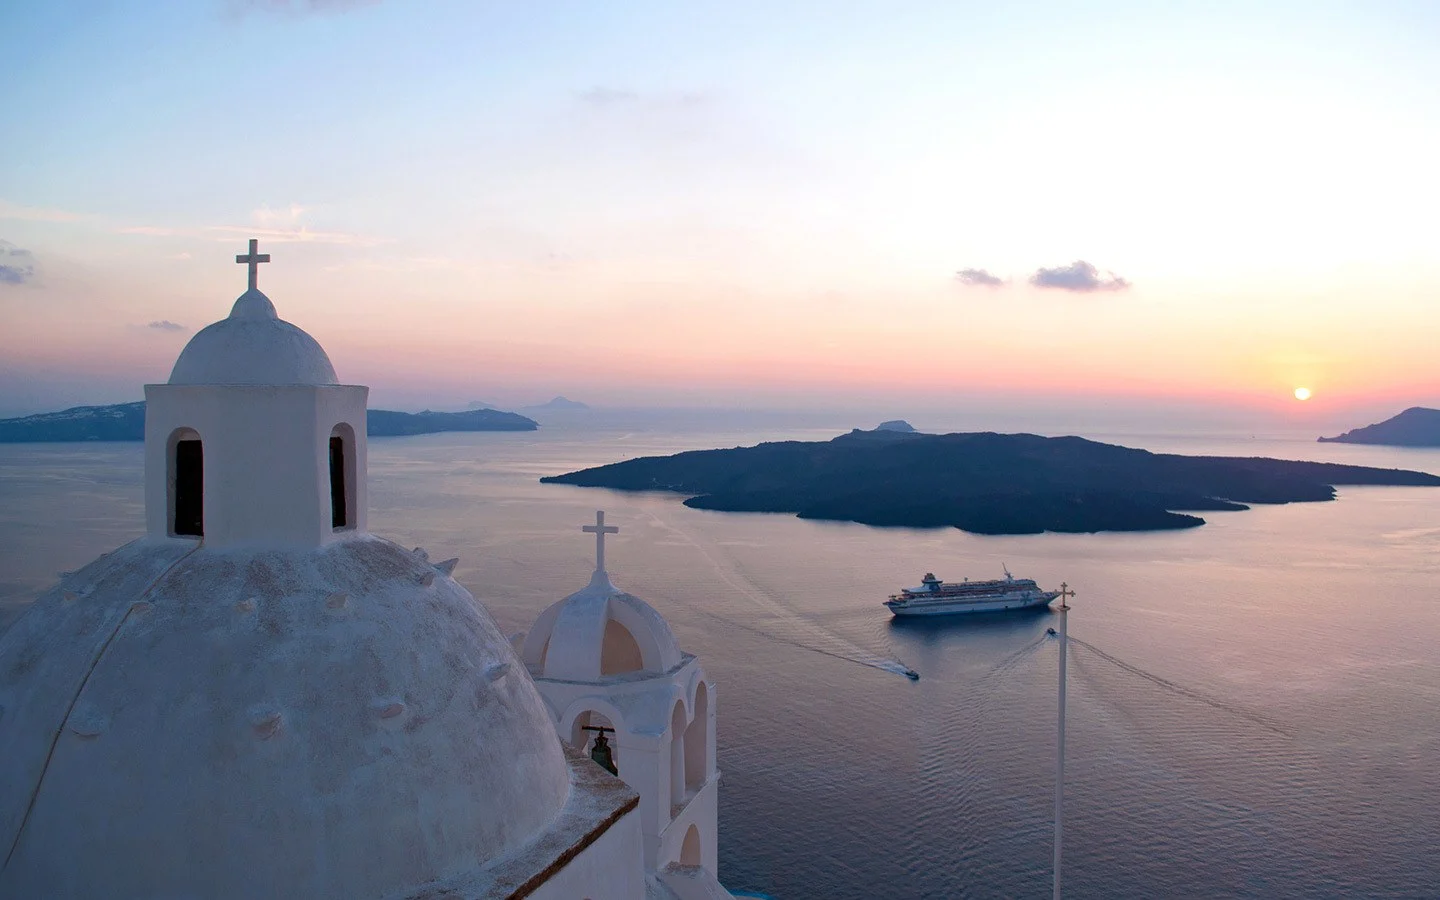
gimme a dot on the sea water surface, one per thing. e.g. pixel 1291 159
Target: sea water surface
pixel 1252 704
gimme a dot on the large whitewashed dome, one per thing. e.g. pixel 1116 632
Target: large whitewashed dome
pixel 182 721
pixel 259 698
pixel 253 346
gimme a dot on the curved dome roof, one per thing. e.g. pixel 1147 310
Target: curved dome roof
pixel 339 723
pixel 600 632
pixel 252 346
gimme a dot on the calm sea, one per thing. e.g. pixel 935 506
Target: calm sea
pixel 1253 704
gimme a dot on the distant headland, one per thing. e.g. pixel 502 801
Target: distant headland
pixel 126 422
pixel 1415 427
pixel 983 483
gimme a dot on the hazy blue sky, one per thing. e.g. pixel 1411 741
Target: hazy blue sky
pixel 769 202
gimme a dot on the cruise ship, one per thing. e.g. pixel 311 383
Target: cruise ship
pixel 935 597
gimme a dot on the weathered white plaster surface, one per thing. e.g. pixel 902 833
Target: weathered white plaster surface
pixel 609 869
pixel 592 849
pixel 253 346
pixel 181 721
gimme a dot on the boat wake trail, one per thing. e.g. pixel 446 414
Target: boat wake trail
pixel 1234 709
pixel 793 629
pixel 1016 658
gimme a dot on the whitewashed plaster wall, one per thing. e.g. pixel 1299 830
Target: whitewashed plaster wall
pixel 266 459
pixel 609 869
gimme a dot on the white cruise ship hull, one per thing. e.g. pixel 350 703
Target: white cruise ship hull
pixel 939 607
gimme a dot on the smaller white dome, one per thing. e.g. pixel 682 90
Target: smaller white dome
pixel 598 633
pixel 253 346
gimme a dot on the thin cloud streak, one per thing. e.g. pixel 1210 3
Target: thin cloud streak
pixel 38 214
pixel 273 235
pixel 270 224
pixel 296 8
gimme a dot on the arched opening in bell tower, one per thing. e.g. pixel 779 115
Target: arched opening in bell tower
pixel 187 483
pixel 677 753
pixel 342 477
pixel 620 652
pixel 697 742
pixel 690 848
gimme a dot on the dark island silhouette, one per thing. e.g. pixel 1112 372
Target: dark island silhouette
pixel 983 483
pixel 126 422
pixel 1415 427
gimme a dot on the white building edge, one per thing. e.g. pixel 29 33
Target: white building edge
pixel 259 698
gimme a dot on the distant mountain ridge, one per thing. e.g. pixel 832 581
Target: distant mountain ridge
pixel 1417 426
pixel 983 483
pixel 126 422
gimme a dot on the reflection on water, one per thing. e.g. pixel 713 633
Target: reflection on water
pixel 1252 702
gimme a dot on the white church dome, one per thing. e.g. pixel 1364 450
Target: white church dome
pixel 341 722
pixel 599 632
pixel 253 346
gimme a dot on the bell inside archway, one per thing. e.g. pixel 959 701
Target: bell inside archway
pixel 600 750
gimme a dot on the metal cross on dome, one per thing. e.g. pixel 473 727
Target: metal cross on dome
pixel 253 259
pixel 600 529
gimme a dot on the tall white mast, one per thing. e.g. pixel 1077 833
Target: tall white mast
pixel 1065 594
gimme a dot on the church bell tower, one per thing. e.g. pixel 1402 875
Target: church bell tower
pixel 252 442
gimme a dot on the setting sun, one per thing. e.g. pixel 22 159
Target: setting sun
pixel 1302 393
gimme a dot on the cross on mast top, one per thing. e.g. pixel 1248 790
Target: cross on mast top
pixel 600 529
pixel 253 260
pixel 1065 594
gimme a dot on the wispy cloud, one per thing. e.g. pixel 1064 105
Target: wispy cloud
pixel 290 215
pixel 603 96
pixel 17 265
pixel 613 98
pixel 242 8
pixel 280 226
pixel 167 325
pixel 149 230
pixel 978 278
pixel 38 214
pixel 298 235
pixel 1079 277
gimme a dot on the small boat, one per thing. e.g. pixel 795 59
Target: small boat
pixel 935 597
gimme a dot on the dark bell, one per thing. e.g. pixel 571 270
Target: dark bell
pixel 600 752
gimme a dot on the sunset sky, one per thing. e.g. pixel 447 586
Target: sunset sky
pixel 767 203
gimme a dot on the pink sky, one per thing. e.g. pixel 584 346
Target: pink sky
pixel 654 209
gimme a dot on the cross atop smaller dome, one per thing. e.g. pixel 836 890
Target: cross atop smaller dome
pixel 600 631
pixel 253 345
pixel 253 259
pixel 600 529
